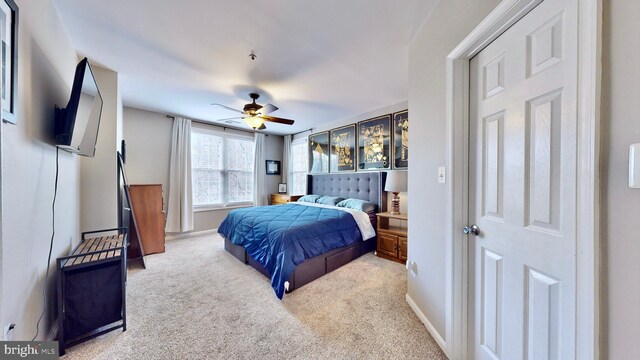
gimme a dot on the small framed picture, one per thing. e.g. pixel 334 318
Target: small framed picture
pixel 273 167
pixel 282 188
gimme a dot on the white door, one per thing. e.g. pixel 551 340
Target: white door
pixel 522 184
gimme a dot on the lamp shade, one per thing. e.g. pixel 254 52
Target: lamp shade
pixel 396 181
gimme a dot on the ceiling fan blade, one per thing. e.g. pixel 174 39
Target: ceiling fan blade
pixel 268 109
pixel 231 118
pixel 262 127
pixel 278 120
pixel 228 108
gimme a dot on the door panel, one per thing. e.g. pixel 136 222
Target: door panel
pixel 493 160
pixel 522 182
pixel 494 77
pixel 544 46
pixel 542 316
pixel 543 162
pixel 491 336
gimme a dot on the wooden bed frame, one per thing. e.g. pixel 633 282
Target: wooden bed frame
pixel 367 186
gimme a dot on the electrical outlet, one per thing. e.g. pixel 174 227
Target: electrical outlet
pixel 412 267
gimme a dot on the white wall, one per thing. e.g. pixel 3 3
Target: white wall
pixel 148 138
pixel 47 64
pixel 620 205
pixel 99 175
pixel 449 23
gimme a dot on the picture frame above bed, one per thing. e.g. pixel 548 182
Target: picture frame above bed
pixel 374 143
pixel 401 140
pixel 342 156
pixel 319 153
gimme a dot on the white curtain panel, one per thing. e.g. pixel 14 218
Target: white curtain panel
pixel 286 160
pixel 259 172
pixel 180 202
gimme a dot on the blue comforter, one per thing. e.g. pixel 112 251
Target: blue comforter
pixel 281 237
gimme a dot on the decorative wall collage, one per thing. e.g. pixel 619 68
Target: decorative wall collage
pixel 380 143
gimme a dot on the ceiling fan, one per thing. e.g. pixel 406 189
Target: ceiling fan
pixel 255 114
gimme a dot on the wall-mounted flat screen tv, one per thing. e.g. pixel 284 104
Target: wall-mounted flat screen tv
pixel 77 125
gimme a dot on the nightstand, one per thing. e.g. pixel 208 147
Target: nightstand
pixel 279 199
pixel 392 239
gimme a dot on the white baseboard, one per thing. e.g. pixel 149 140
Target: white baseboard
pixel 432 330
pixel 190 234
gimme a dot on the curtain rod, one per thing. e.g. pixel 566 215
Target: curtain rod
pixel 303 131
pixel 220 126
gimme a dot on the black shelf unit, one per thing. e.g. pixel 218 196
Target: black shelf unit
pixel 92 287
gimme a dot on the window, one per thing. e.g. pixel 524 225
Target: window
pixel 299 167
pixel 222 168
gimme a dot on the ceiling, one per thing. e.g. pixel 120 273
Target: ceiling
pixel 318 61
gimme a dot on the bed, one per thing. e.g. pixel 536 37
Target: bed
pixel 364 186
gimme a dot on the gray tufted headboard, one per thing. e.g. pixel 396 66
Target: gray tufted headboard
pixel 367 186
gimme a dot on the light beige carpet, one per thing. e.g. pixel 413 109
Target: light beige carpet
pixel 196 301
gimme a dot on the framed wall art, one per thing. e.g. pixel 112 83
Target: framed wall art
pixel 9 41
pixel 343 148
pixel 374 143
pixel 401 140
pixel 273 167
pixel 319 153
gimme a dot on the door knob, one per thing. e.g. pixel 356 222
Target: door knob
pixel 473 229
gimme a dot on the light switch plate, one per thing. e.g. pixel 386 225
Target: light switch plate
pixel 442 179
pixel 634 166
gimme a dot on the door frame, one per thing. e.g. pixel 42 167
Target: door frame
pixel 507 13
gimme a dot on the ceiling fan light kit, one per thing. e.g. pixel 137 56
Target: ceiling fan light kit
pixel 254 121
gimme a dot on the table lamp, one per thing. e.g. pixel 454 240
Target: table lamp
pixel 396 183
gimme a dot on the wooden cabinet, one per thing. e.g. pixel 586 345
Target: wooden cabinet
pixel 392 239
pixel 279 199
pixel 147 204
pixel 402 248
